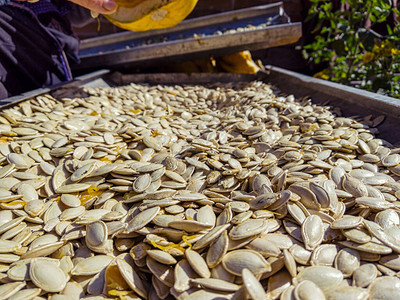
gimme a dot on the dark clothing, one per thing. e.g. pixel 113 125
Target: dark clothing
pixel 46 6
pixel 36 42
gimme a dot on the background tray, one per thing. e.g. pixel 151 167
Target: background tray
pixel 191 39
pixel 351 101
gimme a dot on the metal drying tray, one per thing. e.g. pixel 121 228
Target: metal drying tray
pixel 351 101
pixel 191 39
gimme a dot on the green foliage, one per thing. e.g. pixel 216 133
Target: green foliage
pixel 355 53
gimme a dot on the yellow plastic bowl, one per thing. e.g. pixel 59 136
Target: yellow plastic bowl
pixel 143 15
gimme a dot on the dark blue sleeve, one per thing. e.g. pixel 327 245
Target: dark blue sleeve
pixel 4 2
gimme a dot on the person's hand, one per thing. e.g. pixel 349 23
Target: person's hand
pixel 98 6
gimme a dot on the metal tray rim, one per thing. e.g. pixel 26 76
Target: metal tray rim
pixel 120 36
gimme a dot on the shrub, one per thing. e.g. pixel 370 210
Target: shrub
pixel 355 53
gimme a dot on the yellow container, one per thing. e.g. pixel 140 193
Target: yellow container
pixel 143 15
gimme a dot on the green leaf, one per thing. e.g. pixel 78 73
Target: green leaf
pixel 367 38
pixel 380 83
pixel 310 16
pixel 389 30
pixel 396 78
pixel 339 47
pixel 372 18
pixel 342 27
pixel 324 30
pixel 317 27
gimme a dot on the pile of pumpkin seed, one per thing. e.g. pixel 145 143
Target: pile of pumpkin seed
pixel 226 191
